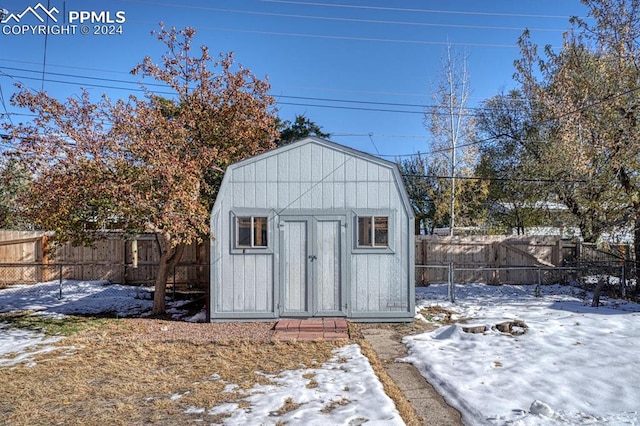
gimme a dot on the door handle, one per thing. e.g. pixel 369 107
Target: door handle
pixel 312 257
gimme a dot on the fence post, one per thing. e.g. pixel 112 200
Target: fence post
pixel 537 291
pixel 60 281
pixel 451 289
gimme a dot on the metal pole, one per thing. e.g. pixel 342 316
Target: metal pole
pixel 623 281
pixel 451 289
pixel 60 281
pixel 538 289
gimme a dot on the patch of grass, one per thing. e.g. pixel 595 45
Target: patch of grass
pixel 67 325
pixel 405 409
pixel 312 381
pixel 437 314
pixel 333 405
pixel 288 406
pixel 117 377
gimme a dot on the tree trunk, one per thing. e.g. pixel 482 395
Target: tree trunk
pixel 169 257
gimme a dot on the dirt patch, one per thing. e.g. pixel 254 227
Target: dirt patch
pixel 514 328
pixel 437 314
pixel 402 329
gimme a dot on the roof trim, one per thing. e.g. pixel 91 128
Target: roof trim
pixel 332 145
pixel 317 141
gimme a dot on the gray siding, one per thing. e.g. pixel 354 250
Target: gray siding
pixel 312 178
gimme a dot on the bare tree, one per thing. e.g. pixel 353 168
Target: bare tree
pixel 452 131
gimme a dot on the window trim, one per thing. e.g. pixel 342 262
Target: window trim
pixel 234 232
pixel 252 232
pixel 373 248
pixel 372 236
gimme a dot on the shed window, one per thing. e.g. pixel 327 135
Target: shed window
pixel 373 231
pixel 251 231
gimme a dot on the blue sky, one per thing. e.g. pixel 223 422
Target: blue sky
pixel 333 61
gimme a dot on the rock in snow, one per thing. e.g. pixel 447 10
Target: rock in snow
pixel 541 409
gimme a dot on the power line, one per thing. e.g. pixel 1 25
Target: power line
pixel 551 119
pixel 531 180
pixel 411 10
pixel 371 39
pixel 372 103
pixel 64 66
pixel 4 106
pixel 324 89
pixel 369 135
pixel 309 98
pixel 352 108
pixel 378 135
pixel 103 86
pixel 316 99
pixel 350 20
pixel 441 150
pixel 111 80
pixel 46 42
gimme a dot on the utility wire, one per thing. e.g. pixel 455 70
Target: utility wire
pixel 4 106
pixel 374 144
pixel 103 86
pixel 139 89
pixel 341 19
pixel 532 180
pixel 371 39
pixel 412 10
pixel 370 135
pixel 549 120
pixel 324 89
pixel 46 42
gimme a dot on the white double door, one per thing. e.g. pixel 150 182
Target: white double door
pixel 312 252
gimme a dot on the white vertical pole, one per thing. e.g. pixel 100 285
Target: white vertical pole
pixel 451 289
pixel 134 253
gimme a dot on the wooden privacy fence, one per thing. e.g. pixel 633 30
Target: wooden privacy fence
pixel 29 258
pixel 22 247
pixel 33 259
pixel 474 254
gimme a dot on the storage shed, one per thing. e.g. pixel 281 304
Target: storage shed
pixel 312 229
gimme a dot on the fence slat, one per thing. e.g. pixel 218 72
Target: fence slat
pixel 106 259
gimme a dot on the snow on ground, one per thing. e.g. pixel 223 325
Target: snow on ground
pixel 345 391
pixel 18 345
pixel 575 365
pixel 78 297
